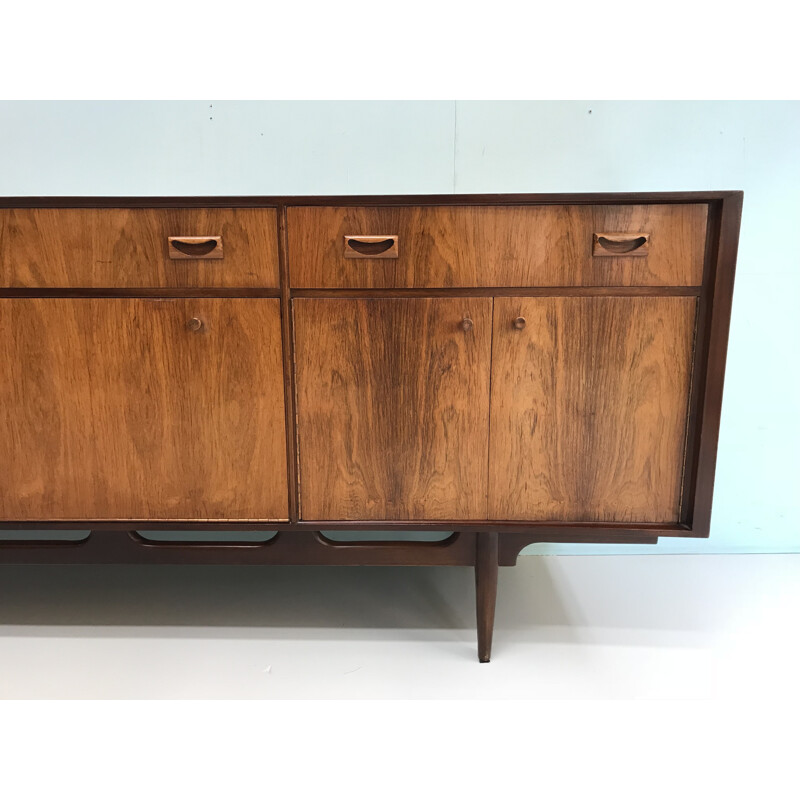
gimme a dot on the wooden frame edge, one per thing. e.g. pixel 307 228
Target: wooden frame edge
pixel 713 354
pixel 287 340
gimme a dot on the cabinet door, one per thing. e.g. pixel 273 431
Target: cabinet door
pixel 141 409
pixel 589 407
pixel 393 407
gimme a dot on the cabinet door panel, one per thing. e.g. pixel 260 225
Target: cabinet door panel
pixel 393 407
pixel 118 409
pixel 589 408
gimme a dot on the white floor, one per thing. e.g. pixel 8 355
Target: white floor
pixel 659 626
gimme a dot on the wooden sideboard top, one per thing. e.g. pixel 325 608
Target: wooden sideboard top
pixel 389 199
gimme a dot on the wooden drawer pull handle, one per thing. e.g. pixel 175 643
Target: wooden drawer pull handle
pixel 371 246
pixel 621 244
pixel 195 246
pixel 519 323
pixel 195 324
pixel 466 324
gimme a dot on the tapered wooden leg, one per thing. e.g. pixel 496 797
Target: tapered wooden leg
pixel 485 590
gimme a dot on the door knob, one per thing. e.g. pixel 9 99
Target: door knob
pixel 195 324
pixel 519 323
pixel 466 324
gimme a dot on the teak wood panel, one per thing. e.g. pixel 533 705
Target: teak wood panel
pixel 129 248
pixel 118 409
pixel 589 408
pixel 393 407
pixel 481 246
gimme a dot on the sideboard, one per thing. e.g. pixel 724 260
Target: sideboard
pixel 503 369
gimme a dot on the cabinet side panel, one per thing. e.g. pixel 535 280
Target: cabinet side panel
pixel 393 408
pixel 589 408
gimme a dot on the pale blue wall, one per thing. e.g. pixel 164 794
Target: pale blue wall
pixel 157 148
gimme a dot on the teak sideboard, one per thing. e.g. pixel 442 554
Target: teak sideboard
pixel 506 369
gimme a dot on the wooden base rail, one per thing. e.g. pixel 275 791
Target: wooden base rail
pixel 300 548
pixel 485 551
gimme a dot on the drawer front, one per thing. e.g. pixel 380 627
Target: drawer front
pixel 131 248
pixel 130 409
pixel 486 246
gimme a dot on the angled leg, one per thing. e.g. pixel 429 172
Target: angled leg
pixel 486 563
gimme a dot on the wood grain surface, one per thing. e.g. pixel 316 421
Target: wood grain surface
pixel 474 246
pixel 128 247
pixel 393 408
pixel 589 408
pixel 116 409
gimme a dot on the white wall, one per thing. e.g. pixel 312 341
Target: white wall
pixel 160 148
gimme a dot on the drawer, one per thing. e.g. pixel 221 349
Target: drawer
pixel 380 247
pixel 130 248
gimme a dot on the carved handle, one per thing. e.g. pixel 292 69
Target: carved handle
pixel 621 244
pixel 195 246
pixel 371 246
pixel 519 323
pixel 466 324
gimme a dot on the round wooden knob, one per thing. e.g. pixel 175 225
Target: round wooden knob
pixel 466 324
pixel 194 324
pixel 519 323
